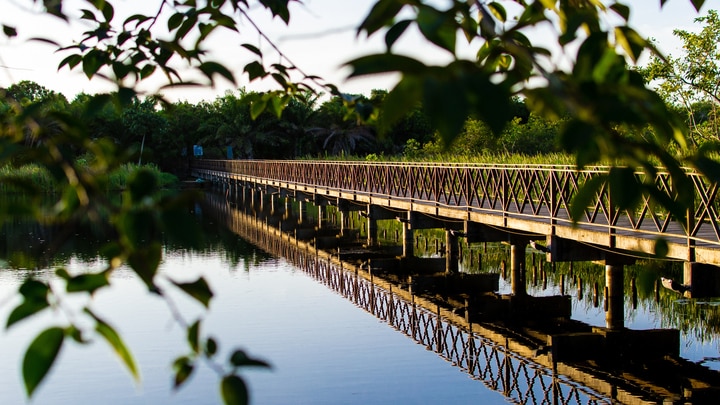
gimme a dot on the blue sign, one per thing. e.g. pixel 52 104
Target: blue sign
pixel 197 150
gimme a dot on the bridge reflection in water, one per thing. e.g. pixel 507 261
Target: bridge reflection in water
pixel 524 362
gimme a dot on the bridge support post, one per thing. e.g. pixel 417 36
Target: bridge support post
pixel 614 297
pixel 253 197
pixel 344 220
pixel 321 215
pixel 452 251
pixel 301 211
pixel 288 208
pixel 517 268
pixel 273 203
pixel 372 229
pixel 408 238
pixel 261 200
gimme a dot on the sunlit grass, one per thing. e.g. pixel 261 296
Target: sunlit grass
pixel 515 159
pixel 18 179
pixel 15 179
pixel 117 180
pixel 505 159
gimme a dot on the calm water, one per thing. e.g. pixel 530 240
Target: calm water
pixel 323 349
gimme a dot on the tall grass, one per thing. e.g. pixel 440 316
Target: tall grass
pixel 510 159
pixel 117 180
pixel 18 179
pixel 515 159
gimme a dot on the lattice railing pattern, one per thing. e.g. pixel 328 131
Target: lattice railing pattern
pixel 518 378
pixel 539 192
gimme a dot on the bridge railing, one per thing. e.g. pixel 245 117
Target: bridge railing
pixel 540 192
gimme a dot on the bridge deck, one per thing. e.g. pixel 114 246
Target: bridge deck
pixel 530 199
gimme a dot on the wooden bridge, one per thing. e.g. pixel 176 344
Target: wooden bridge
pixel 490 202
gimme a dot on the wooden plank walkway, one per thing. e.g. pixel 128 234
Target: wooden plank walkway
pixel 529 198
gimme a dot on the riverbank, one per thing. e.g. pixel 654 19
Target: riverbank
pixel 37 178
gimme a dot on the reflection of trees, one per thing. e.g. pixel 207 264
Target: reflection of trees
pixel 218 239
pixel 26 243
pixel 698 319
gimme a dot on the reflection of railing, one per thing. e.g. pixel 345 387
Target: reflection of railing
pixel 539 193
pixel 517 377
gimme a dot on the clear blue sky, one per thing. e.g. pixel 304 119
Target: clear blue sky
pixel 320 38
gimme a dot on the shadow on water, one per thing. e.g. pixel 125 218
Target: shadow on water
pixel 524 347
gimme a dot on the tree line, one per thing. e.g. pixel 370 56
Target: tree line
pixel 312 126
pixel 306 128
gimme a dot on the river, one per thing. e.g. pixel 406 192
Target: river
pixel 323 349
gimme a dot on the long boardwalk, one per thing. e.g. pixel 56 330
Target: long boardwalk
pixel 530 200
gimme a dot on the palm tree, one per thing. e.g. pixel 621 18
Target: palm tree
pixel 340 130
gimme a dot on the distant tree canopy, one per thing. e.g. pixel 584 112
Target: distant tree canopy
pixel 163 133
pixel 26 92
pixel 691 82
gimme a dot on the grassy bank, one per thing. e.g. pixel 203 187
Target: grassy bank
pixel 12 179
pixel 514 159
pixel 562 159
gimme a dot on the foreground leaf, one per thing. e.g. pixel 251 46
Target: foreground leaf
pixel 240 359
pixel 145 262
pixel 661 248
pixel 24 310
pixel 183 367
pixel 88 282
pixel 385 63
pixel 40 356
pixel 234 391
pixel 34 300
pixel 625 190
pixel 198 289
pixel 118 345
pixel 193 336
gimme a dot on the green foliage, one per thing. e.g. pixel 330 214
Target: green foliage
pixel 339 131
pixel 17 179
pixel 691 80
pixel 232 387
pixel 35 299
pixel 535 136
pixel 28 92
pixel 198 289
pixel 115 341
pixel 40 357
pixel 607 111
